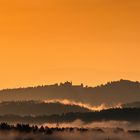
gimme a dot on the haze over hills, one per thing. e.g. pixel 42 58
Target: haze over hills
pixel 112 93
pixel 39 108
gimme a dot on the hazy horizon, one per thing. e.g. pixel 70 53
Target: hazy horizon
pixel 62 82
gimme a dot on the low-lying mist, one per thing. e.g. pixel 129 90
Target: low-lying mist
pixel 98 124
pixel 84 105
pixel 78 130
pixel 89 135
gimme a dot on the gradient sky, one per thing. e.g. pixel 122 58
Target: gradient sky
pixel 84 41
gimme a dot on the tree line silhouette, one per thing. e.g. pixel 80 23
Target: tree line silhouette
pixel 43 129
pixel 26 128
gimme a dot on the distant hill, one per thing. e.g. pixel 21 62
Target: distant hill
pixel 112 93
pixel 132 105
pixel 127 114
pixel 36 108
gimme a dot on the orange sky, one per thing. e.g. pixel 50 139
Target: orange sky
pixel 49 41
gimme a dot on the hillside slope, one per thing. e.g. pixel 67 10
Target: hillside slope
pixel 36 108
pixel 122 91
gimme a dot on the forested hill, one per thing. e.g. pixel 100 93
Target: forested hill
pixel 122 91
pixel 37 108
pixel 127 115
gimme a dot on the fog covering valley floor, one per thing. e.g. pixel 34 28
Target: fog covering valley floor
pixel 27 132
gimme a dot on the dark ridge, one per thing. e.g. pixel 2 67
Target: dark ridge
pixel 111 94
pixel 127 114
pixel 36 108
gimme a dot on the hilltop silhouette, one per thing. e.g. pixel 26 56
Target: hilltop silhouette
pixel 112 93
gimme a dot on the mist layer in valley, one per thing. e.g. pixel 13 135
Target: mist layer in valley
pixel 33 132
pixel 68 136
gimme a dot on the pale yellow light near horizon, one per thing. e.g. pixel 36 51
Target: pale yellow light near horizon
pixel 84 41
